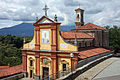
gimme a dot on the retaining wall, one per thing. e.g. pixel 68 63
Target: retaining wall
pixel 85 65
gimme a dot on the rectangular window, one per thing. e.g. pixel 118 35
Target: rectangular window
pixel 31 62
pixel 31 73
pixel 64 67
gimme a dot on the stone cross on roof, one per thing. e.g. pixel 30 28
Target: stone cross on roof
pixel 79 5
pixel 45 9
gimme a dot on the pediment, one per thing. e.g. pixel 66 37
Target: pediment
pixel 44 19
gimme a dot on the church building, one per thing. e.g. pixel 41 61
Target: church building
pixel 52 50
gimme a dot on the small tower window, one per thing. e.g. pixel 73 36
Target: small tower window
pixel 77 15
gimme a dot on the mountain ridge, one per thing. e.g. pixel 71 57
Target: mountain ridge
pixel 27 29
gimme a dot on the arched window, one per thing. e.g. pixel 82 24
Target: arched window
pixel 64 67
pixel 31 62
pixel 78 16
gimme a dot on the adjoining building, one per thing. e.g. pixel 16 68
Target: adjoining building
pixel 52 50
pixel 88 34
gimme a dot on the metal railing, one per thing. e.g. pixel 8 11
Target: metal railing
pixel 60 73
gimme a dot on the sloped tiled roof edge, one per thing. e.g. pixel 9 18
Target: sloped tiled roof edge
pixel 79 35
pixel 92 52
pixel 64 39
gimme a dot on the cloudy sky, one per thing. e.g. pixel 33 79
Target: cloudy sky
pixel 100 12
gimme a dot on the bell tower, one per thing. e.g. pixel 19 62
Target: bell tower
pixel 79 17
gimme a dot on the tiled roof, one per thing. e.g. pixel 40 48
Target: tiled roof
pixel 71 35
pixel 90 26
pixel 11 70
pixel 3 67
pixel 92 52
pixel 79 9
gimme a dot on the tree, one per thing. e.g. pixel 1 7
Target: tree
pixel 10 49
pixel 114 37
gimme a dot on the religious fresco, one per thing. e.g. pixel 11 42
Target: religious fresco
pixel 45 38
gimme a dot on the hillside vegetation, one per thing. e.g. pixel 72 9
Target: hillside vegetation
pixel 10 49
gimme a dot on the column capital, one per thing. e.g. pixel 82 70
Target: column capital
pixel 37 29
pixel 24 54
pixel 37 55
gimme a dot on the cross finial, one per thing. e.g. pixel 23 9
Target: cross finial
pixel 45 9
pixel 79 5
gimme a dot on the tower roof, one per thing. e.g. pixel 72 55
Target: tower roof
pixel 79 9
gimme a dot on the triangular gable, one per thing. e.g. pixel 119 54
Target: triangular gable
pixel 44 19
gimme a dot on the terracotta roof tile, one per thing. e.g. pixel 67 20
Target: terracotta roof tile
pixel 11 70
pixel 90 26
pixel 92 52
pixel 3 67
pixel 79 9
pixel 71 35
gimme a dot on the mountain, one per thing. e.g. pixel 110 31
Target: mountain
pixel 19 30
pixel 26 29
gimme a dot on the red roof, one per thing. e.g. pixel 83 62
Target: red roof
pixel 71 35
pixel 92 52
pixel 11 70
pixel 90 26
pixel 3 67
pixel 79 9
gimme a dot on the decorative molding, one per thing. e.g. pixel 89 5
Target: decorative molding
pixel 30 58
pixel 30 52
pixel 45 54
pixel 64 62
pixel 46 58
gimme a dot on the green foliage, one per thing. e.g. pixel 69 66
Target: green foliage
pixel 114 37
pixel 10 49
pixel 14 40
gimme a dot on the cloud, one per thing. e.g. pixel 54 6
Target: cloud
pixel 9 23
pixel 102 12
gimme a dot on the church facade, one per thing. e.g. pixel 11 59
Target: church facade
pixel 52 50
pixel 47 52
